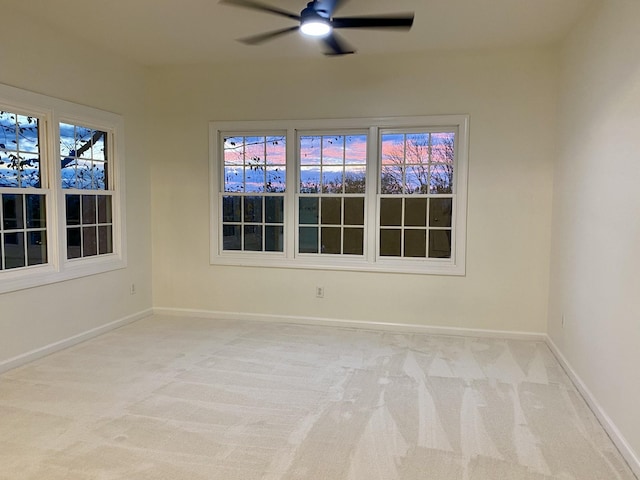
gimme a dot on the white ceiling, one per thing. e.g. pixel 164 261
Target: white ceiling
pixel 163 32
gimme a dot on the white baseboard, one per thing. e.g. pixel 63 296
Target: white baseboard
pixel 27 357
pixel 365 325
pixel 612 430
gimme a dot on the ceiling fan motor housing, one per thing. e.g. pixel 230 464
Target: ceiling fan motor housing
pixel 314 11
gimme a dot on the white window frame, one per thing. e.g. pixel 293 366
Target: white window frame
pixel 51 111
pixel 289 258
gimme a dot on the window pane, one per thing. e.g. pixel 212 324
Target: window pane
pixel 36 211
pixel 99 148
pixel 276 151
pixel 440 210
pixel 392 149
pixel 273 239
pixel 254 151
pixel 99 176
pixel 74 249
pixel 310 150
pixel 390 211
pixel 309 179
pixel 37 247
pixel 253 209
pixel 231 209
pixel 391 180
pixel 308 210
pixel 332 179
pixel 88 209
pixel 415 212
pixel 9 138
pixel 28 137
pixel 30 171
pixel 19 151
pixel 417 179
pixel 308 240
pixel 67 140
pixel 276 179
pixel 390 243
pixel 231 237
pixel 333 150
pixel 83 141
pixel 354 211
pixel 443 147
pixel 73 209
pixel 254 179
pixel 105 239
pixel 356 149
pixel 8 169
pixel 253 238
pixel 233 179
pixel 441 178
pixel 12 214
pixel 89 241
pixel 233 151
pixel 415 243
pixel 104 209
pixel 83 157
pixel 355 180
pixel 84 175
pixel 14 250
pixel 417 149
pixel 331 211
pixel 331 241
pixel 440 243
pixel 274 209
pixel 353 241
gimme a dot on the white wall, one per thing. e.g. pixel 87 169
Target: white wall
pixel 40 59
pixel 595 263
pixel 511 98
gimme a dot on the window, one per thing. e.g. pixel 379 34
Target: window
pixel 83 168
pixel 416 194
pixel 332 194
pixel 360 194
pixel 255 175
pixel 23 224
pixel 61 190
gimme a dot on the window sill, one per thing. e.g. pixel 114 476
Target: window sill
pixel 40 275
pixel 338 263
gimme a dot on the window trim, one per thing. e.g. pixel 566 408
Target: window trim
pixel 52 111
pixel 456 265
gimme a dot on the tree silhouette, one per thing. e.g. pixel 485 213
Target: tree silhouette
pixel 418 167
pixel 15 169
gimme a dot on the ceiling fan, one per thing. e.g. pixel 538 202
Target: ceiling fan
pixel 317 20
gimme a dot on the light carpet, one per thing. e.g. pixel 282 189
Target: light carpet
pixel 194 399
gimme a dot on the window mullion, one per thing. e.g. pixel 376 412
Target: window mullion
pixel 372 221
pixel 291 194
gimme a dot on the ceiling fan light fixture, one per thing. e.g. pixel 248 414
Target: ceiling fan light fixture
pixel 315 27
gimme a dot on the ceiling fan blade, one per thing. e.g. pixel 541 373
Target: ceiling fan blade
pixel 263 37
pixel 337 46
pixel 400 21
pixel 262 7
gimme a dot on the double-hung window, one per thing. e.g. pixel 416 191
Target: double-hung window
pixel 360 194
pixel 61 190
pixel 23 219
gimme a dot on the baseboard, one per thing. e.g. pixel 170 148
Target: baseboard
pixel 612 430
pixel 360 324
pixel 25 358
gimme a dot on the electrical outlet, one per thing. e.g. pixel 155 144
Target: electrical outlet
pixel 320 292
pixel 132 289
